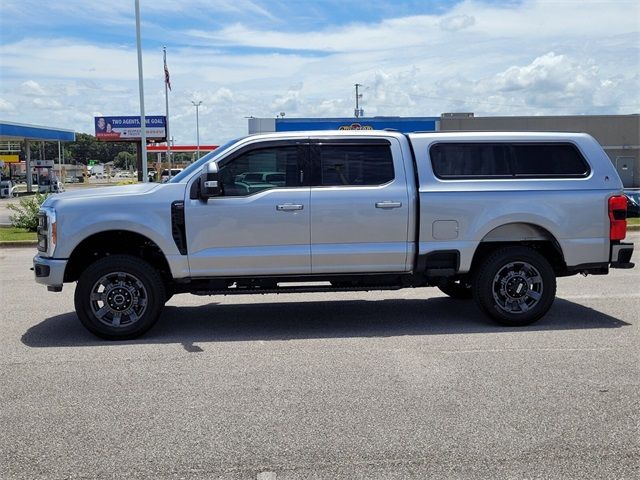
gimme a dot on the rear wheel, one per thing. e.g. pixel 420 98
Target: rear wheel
pixel 515 286
pixel 119 297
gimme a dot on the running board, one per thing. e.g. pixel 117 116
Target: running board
pixel 296 289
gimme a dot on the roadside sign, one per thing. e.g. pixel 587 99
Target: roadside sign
pixel 42 163
pixel 127 129
pixel 10 158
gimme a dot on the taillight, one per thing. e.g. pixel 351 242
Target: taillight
pixel 618 217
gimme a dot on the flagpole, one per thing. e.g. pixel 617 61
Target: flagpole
pixel 166 104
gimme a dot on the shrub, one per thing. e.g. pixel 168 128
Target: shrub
pixel 129 181
pixel 26 215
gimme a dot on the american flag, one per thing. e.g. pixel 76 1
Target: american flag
pixel 167 78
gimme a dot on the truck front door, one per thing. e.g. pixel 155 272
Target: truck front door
pixel 359 206
pixel 256 227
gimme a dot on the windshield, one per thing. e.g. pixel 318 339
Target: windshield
pixel 198 164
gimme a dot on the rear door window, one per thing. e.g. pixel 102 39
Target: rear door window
pixel 355 164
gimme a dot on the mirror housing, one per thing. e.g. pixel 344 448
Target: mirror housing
pixel 210 185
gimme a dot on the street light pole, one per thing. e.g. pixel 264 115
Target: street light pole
pixel 197 105
pixel 143 124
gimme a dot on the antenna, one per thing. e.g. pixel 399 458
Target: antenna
pixel 358 112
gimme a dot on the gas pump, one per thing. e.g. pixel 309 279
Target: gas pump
pixel 44 177
pixel 7 188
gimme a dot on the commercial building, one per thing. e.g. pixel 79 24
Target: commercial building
pixel 402 124
pixel 619 135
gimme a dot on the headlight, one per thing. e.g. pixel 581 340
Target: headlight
pixel 47 230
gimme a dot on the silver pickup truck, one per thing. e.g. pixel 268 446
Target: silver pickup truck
pixel 490 216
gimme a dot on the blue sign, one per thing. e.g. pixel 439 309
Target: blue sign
pixel 401 124
pixel 118 129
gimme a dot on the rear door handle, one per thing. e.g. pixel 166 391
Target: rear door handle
pixel 388 204
pixel 287 207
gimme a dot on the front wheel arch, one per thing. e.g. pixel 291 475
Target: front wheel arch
pixel 116 242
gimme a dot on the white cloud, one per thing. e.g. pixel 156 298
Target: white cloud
pixel 6 106
pixel 457 22
pixel 46 103
pixel 31 88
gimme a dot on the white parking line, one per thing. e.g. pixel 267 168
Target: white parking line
pixel 266 476
pixel 599 297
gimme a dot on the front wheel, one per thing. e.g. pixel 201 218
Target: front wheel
pixel 119 297
pixel 515 286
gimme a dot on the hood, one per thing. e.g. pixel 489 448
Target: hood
pixel 119 191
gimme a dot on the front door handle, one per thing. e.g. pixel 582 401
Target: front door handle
pixel 388 204
pixel 288 207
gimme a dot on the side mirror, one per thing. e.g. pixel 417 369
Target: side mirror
pixel 210 185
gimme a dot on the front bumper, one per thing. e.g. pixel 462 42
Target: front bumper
pixel 49 272
pixel 621 255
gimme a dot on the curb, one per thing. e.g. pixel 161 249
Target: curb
pixel 19 243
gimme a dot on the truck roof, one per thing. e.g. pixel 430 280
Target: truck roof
pixel 466 135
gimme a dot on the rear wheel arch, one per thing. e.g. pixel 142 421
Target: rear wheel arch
pixel 521 234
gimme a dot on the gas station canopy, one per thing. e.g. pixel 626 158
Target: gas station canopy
pixel 21 132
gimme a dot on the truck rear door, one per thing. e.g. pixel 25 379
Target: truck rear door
pixel 359 206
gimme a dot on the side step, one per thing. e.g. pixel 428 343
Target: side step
pixel 295 289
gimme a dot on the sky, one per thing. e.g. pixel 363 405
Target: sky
pixel 63 62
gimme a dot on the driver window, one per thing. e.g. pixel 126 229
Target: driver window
pixel 260 169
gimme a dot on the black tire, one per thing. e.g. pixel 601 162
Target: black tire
pixel 119 297
pixel 515 286
pixel 458 289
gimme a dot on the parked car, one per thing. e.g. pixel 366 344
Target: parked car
pixel 634 193
pixel 273 178
pixel 164 177
pixel 633 207
pixel 472 213
pixel 123 174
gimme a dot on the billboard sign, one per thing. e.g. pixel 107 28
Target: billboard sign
pixel 127 129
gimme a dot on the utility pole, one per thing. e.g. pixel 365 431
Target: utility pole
pixel 167 87
pixel 358 112
pixel 143 120
pixel 197 105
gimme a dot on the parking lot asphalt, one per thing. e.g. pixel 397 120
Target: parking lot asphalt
pixel 388 385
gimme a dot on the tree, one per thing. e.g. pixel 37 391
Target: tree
pixel 124 160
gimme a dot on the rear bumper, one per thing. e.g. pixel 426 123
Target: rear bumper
pixel 621 255
pixel 49 272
